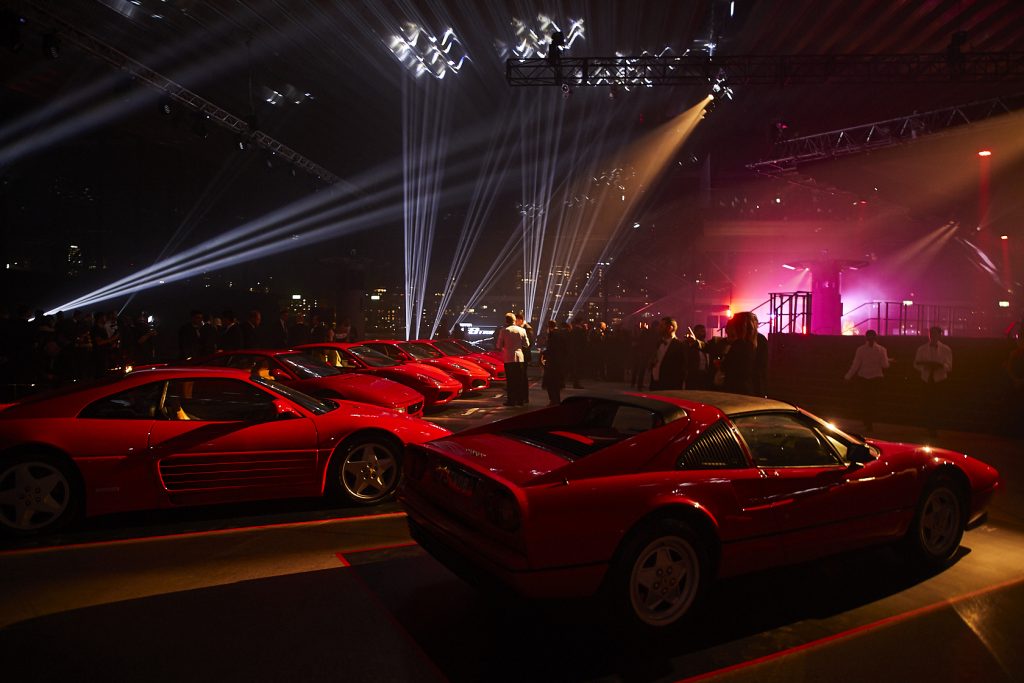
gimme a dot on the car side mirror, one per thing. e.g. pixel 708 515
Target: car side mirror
pixel 859 455
pixel 285 411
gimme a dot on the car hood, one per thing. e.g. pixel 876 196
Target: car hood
pixel 981 475
pixel 421 371
pixel 500 456
pixel 373 389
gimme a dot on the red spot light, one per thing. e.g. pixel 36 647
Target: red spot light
pixel 985 153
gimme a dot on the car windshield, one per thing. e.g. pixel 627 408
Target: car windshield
pixel 305 367
pixel 464 345
pixel 420 351
pixel 313 405
pixel 375 359
pixel 487 344
pixel 836 436
pixel 449 347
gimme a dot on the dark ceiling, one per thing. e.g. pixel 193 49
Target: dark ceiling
pixel 237 54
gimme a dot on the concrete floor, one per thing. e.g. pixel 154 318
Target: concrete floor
pixel 302 591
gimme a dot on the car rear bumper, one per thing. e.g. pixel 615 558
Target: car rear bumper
pixel 483 563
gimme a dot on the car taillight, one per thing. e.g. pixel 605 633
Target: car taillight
pixel 502 509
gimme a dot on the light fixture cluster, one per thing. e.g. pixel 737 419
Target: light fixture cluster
pixel 425 54
pixel 529 41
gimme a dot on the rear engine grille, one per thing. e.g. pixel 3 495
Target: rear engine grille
pixel 188 473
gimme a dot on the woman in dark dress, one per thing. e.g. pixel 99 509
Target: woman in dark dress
pixel 554 359
pixel 738 365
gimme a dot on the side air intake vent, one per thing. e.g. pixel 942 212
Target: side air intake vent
pixel 715 448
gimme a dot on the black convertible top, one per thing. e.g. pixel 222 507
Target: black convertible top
pixel 730 404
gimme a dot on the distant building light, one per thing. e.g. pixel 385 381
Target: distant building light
pixel 296 297
pixel 985 153
pixel 908 302
pixel 778 200
pixel 375 297
pixel 1004 304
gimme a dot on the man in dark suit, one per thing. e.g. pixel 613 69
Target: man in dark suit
pixel 668 367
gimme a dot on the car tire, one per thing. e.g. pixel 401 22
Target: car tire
pixel 366 469
pixel 938 525
pixel 39 493
pixel 659 574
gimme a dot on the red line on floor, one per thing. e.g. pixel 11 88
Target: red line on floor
pixel 341 558
pixel 191 534
pixel 403 544
pixel 858 630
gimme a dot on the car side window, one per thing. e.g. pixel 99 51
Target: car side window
pixel 139 403
pixel 216 400
pixel 716 448
pixel 784 440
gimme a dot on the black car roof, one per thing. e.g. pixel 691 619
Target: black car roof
pixel 730 404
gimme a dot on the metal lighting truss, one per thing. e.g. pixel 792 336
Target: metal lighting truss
pixel 881 134
pixel 178 92
pixel 650 70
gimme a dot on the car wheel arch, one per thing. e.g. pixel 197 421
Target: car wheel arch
pixel 694 516
pixel 67 465
pixel 958 477
pixel 340 451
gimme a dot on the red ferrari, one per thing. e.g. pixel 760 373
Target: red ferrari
pixel 190 436
pixel 436 385
pixel 472 376
pixel 314 377
pixel 453 348
pixel 649 497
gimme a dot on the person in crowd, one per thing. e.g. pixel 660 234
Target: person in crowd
pixel 320 330
pixel 530 334
pixel 346 331
pixel 760 383
pixel 230 337
pixel 739 362
pixel 298 333
pixel 190 336
pixel 252 330
pixel 554 358
pixel 1015 365
pixel 668 366
pixel 142 348
pixel 514 344
pixel 868 368
pixel 279 332
pixel 105 343
pixel 643 344
pixel 698 362
pixel 934 361
pixel 597 351
pixel 577 351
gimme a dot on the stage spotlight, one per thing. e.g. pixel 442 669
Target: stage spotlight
pixel 985 153
pixel 566 91
pixel 166 107
pixel 51 46
pixel 720 89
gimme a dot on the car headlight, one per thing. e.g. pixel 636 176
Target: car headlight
pixel 400 409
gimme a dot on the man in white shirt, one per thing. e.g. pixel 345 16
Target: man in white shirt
pixel 934 361
pixel 869 362
pixel 513 342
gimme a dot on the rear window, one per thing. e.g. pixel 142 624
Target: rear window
pixel 590 426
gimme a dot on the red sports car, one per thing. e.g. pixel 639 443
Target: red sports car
pixel 316 378
pixel 436 385
pixel 472 376
pixel 652 496
pixel 452 348
pixel 190 436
